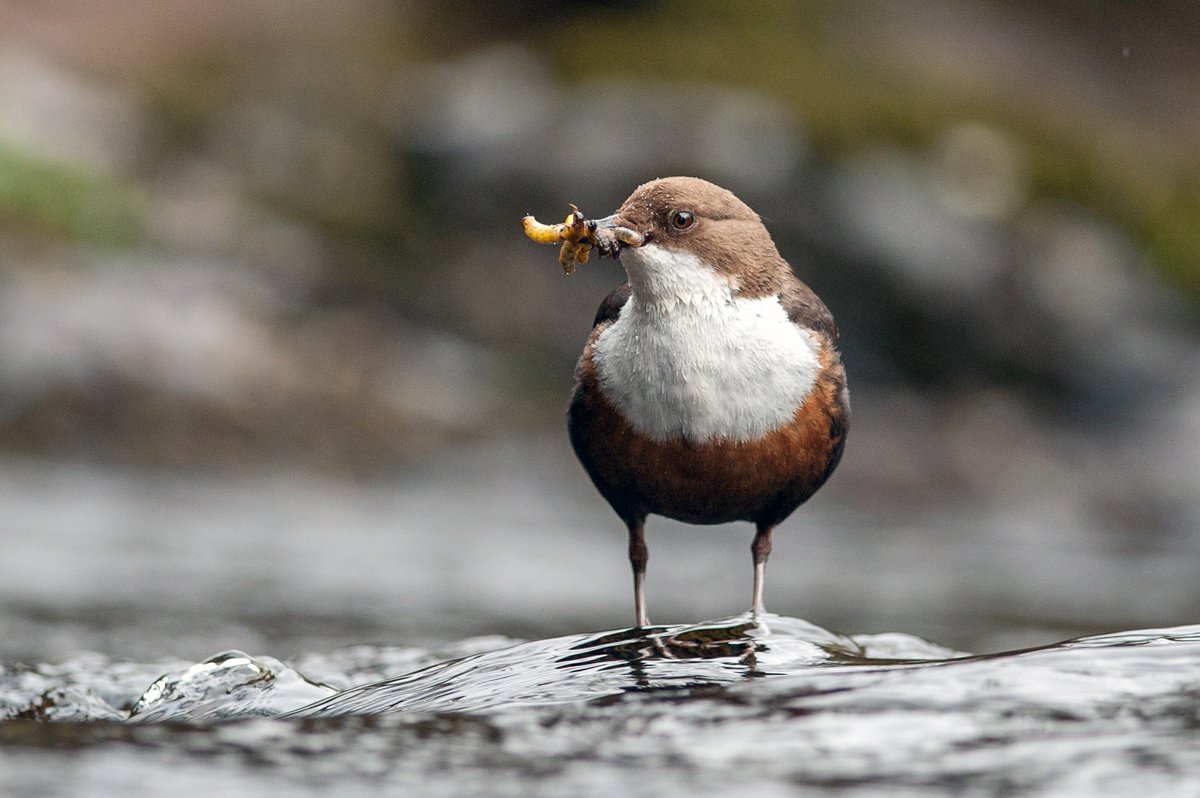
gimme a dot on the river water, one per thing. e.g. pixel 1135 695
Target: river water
pixel 712 709
pixel 436 634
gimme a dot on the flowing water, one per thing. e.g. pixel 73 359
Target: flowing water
pixel 116 591
pixel 730 706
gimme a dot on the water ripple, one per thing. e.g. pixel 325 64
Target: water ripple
pixel 697 709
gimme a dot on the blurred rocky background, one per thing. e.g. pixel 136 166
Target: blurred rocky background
pixel 269 237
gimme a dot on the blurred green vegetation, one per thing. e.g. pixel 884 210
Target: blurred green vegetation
pixel 851 98
pixel 61 201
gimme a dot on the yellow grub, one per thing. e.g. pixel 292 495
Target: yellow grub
pixel 628 237
pixel 572 254
pixel 573 233
pixel 542 233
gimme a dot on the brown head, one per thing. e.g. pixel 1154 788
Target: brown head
pixel 692 216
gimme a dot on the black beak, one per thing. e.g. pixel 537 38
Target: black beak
pixel 609 236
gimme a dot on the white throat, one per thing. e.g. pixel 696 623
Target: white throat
pixel 689 359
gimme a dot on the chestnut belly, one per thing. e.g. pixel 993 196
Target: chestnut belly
pixel 711 482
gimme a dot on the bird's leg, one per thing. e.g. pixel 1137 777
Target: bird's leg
pixel 638 555
pixel 761 549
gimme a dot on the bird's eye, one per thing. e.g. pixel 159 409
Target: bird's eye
pixel 682 220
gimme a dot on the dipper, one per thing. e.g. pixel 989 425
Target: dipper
pixel 710 389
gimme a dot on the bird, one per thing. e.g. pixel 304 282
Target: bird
pixel 710 388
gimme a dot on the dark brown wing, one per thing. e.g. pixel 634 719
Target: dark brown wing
pixel 610 308
pixel 587 413
pixel 806 309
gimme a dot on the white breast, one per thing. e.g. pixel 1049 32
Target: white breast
pixel 688 359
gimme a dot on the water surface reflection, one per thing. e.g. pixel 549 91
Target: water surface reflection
pixel 679 709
